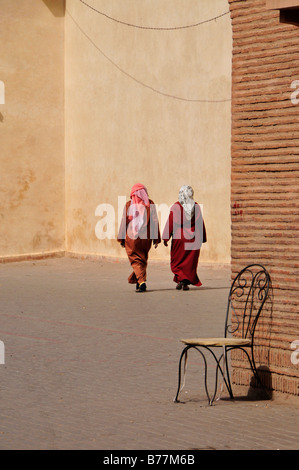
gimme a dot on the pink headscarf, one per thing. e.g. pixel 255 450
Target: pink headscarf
pixel 139 195
pixel 139 199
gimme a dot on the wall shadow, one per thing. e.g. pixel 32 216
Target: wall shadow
pixel 57 7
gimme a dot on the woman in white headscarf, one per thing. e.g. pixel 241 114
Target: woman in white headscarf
pixel 186 227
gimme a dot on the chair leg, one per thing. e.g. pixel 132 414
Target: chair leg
pixel 224 371
pixel 228 383
pixel 206 376
pixel 183 354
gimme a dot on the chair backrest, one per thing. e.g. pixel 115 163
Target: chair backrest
pixel 247 296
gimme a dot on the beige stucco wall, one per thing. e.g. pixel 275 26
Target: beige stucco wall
pixel 32 127
pixel 135 110
pixel 133 113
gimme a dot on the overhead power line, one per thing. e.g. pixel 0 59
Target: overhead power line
pixel 169 28
pixel 168 95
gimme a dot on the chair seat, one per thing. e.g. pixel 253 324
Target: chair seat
pixel 217 341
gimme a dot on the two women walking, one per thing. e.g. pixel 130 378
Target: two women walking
pixel 185 227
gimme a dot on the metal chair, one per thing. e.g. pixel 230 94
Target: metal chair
pixel 247 296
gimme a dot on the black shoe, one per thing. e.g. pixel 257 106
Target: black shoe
pixel 179 285
pixel 137 286
pixel 185 286
pixel 142 288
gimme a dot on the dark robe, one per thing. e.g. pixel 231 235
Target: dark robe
pixel 187 238
pixel 138 249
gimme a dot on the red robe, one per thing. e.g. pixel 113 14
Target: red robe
pixel 138 249
pixel 187 238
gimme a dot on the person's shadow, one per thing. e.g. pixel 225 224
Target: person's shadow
pixel 192 289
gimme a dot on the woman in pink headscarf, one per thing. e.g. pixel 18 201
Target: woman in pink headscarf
pixel 138 228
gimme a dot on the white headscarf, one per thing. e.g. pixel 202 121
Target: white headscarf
pixel 187 201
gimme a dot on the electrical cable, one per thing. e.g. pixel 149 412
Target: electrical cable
pixel 152 27
pixel 139 81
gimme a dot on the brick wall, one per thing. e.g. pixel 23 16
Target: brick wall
pixel 265 183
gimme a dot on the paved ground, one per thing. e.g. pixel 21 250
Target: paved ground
pixel 90 364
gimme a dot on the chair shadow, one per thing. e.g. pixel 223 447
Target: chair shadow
pixel 255 391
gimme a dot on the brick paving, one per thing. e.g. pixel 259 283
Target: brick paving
pixel 90 364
